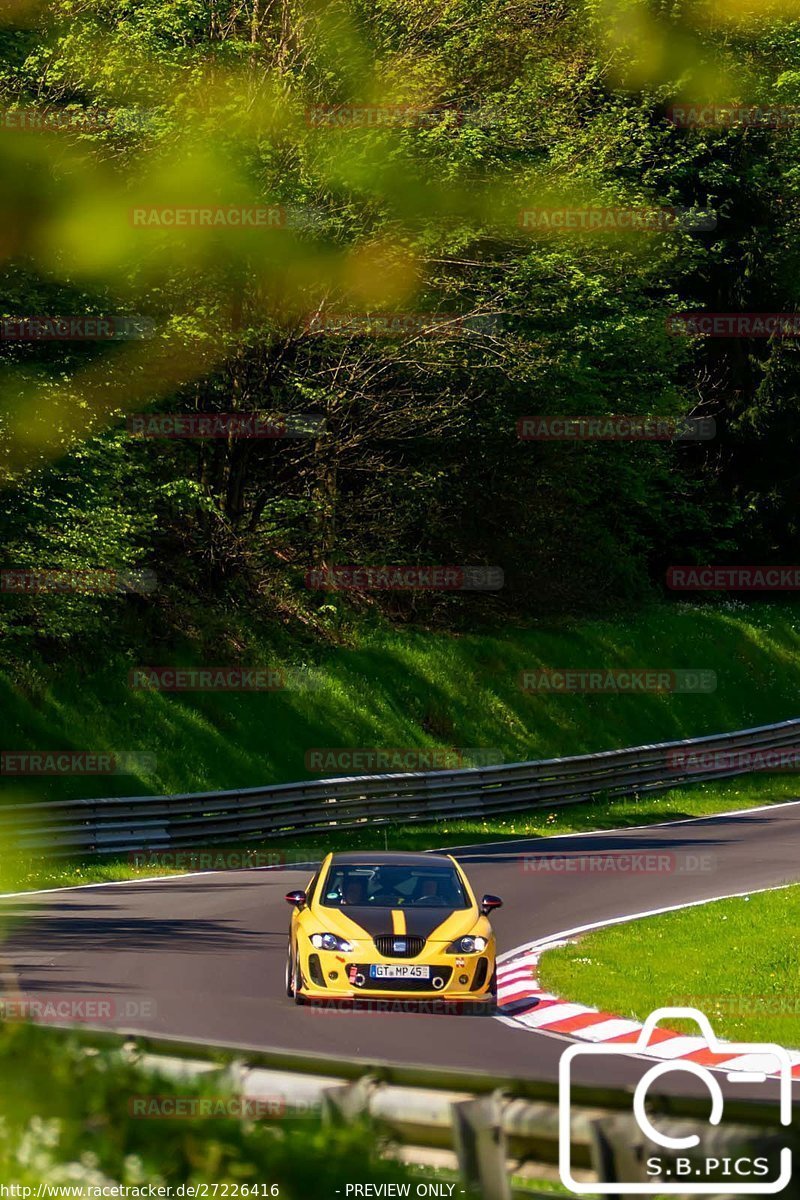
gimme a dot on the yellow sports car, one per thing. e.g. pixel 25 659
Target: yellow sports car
pixel 390 926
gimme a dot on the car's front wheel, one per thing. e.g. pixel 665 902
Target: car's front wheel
pixel 294 981
pixel 289 971
pixel 490 999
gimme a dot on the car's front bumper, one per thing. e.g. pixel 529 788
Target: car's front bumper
pixel 452 977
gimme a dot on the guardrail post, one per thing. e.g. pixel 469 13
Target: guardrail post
pixel 480 1146
pixel 349 1101
pixel 620 1151
pixel 615 1148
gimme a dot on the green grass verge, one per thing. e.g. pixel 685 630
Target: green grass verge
pixel 746 980
pixel 702 799
pixel 394 689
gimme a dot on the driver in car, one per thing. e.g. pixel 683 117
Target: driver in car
pixel 388 892
pixel 429 893
pixel 355 892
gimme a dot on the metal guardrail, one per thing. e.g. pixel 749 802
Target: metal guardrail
pixel 120 824
pixel 498 1133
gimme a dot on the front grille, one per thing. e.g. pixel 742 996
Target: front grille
pixel 387 945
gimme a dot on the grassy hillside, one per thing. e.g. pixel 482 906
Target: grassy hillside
pixel 395 688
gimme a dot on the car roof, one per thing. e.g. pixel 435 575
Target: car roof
pixel 397 858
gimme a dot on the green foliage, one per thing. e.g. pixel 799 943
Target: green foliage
pixel 539 105
pixel 96 513
pixel 66 1118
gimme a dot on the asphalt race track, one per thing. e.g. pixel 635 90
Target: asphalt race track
pixel 202 956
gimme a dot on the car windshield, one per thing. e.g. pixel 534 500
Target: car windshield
pixel 389 885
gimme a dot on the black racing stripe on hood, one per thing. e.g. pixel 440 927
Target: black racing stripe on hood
pixel 423 922
pixel 373 920
pixel 420 922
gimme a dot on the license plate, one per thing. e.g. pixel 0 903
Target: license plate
pixel 399 971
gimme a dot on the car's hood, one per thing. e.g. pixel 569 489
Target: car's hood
pixel 438 924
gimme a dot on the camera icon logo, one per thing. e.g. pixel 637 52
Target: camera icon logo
pixel 764 1059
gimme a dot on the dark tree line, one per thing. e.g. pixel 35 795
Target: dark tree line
pixel 414 455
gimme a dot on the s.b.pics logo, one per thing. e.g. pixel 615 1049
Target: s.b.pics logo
pixel 671 1160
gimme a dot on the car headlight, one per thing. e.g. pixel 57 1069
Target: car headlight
pixel 329 941
pixel 467 945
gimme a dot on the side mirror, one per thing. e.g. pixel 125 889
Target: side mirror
pixel 488 903
pixel 298 899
